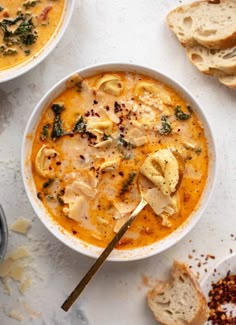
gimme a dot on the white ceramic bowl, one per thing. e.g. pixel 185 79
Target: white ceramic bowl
pixel 26 66
pixel 75 243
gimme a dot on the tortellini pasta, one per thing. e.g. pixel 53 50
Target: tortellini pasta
pixel 151 94
pixel 162 169
pixel 110 84
pixel 43 156
pixel 99 127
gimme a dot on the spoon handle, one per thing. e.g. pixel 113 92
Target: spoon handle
pixel 3 233
pixel 101 259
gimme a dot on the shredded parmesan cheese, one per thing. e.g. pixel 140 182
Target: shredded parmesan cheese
pixel 16 315
pixel 21 226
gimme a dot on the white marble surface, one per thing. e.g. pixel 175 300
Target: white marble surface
pixel 101 31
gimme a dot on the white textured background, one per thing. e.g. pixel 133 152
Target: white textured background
pixel 101 31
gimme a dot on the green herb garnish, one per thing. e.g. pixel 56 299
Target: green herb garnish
pixel 27 52
pixel 198 150
pixel 24 34
pixel 1 8
pixel 44 132
pixel 165 128
pixel 106 137
pixel 127 183
pixel 9 52
pixel 59 197
pixel 30 3
pixel 79 86
pixel 48 183
pixel 180 115
pixel 57 130
pixel 49 197
pixel 124 143
pixel 80 126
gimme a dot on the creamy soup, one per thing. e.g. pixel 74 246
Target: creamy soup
pixel 25 28
pixel 102 137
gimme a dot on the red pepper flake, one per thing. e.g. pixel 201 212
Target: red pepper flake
pixel 210 256
pixel 45 12
pixel 5 13
pixel 186 197
pixel 117 107
pixel 222 292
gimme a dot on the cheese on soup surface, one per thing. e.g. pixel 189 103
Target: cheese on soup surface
pixel 25 28
pixel 100 138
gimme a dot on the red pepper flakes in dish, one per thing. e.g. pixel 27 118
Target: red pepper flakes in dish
pixel 222 293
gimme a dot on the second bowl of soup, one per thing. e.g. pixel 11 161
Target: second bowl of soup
pixel 95 136
pixel 29 31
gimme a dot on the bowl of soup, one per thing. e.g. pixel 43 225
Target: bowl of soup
pixel 29 31
pixel 95 136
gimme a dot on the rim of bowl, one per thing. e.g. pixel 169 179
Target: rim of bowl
pixel 24 67
pixel 77 244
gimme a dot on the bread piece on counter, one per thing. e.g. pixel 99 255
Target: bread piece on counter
pixel 213 62
pixel 228 80
pixel 209 23
pixel 179 301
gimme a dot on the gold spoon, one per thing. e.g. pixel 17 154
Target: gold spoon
pixel 102 258
pixel 107 251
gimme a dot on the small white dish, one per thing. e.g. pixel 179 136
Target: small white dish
pixel 18 70
pixel 220 271
pixel 77 244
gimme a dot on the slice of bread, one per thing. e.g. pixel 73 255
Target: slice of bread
pixel 180 301
pixel 228 80
pixel 213 62
pixel 209 23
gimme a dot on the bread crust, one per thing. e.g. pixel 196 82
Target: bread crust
pixel 203 312
pixel 228 80
pixel 222 43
